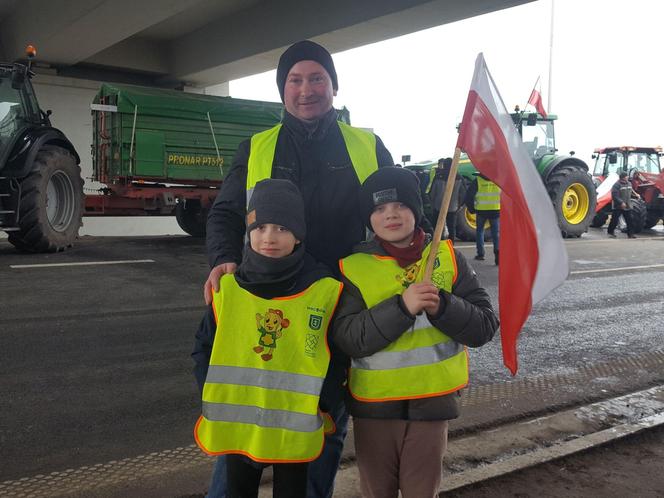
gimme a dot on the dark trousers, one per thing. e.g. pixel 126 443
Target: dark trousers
pixel 615 216
pixel 450 221
pixel 290 479
pixel 494 225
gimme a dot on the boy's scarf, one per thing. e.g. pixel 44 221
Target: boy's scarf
pixel 406 255
pixel 269 277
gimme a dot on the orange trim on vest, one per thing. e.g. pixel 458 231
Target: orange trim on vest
pixel 454 261
pixel 246 453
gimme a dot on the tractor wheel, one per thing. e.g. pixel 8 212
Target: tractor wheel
pixel 466 226
pixel 191 217
pixel 652 218
pixel 639 215
pixel 599 220
pixel 51 203
pixel 573 194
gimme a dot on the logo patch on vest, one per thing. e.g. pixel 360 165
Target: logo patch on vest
pixel 315 321
pixel 270 325
pixel 384 196
pixel 409 275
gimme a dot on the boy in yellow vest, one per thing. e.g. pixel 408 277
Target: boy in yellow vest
pixel 268 355
pixel 407 340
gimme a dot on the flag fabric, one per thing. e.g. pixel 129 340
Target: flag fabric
pixel 533 258
pixel 604 191
pixel 535 99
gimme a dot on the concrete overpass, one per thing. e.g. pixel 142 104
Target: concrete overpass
pixel 195 45
pixel 199 43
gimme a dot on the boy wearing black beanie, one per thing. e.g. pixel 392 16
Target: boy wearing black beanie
pixel 407 339
pixel 262 351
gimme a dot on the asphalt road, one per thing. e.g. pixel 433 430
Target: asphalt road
pixel 95 359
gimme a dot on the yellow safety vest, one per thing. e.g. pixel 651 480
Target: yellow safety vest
pixel 488 195
pixel 361 146
pixel 268 363
pixel 423 362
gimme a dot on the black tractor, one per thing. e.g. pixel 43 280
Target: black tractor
pixel 41 190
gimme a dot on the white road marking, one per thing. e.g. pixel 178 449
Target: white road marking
pixel 624 268
pixel 86 263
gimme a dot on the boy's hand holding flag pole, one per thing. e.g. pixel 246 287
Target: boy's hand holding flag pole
pixel 533 257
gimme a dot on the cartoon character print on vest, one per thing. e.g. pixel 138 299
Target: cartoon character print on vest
pixel 409 275
pixel 270 326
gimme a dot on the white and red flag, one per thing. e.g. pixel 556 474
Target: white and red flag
pixel 533 258
pixel 604 191
pixel 535 99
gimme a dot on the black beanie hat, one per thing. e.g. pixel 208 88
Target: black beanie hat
pixel 390 184
pixel 304 51
pixel 278 202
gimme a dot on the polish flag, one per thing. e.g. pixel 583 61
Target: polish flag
pixel 604 191
pixel 535 99
pixel 533 258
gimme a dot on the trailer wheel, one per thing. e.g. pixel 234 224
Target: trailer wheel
pixel 51 203
pixel 573 195
pixel 191 217
pixel 466 226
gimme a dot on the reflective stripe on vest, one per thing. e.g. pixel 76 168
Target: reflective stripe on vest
pixel 488 195
pixel 268 363
pixel 423 362
pixel 361 146
pixel 284 381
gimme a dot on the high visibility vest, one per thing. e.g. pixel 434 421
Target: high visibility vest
pixel 268 363
pixel 423 362
pixel 361 146
pixel 488 195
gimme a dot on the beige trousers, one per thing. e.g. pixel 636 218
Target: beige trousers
pixel 399 454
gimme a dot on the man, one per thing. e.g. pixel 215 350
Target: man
pixel 621 203
pixel 328 161
pixel 437 185
pixel 484 197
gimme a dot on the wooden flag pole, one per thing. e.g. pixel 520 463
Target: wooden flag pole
pixel 442 214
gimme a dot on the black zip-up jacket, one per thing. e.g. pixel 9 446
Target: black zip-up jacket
pixel 465 314
pixel 317 161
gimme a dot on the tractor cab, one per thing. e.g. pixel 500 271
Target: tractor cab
pixel 537 133
pixel 18 106
pixel 626 158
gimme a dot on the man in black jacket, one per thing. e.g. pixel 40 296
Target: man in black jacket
pixel 621 201
pixel 325 159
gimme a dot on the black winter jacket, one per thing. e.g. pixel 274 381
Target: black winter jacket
pixel 465 314
pixel 317 161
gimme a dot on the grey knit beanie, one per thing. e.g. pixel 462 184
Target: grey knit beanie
pixel 278 202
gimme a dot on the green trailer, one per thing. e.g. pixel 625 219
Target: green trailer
pixel 164 152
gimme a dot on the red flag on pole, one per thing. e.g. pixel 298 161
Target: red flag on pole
pixel 533 258
pixel 535 99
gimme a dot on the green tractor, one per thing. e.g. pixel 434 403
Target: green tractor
pixel 41 190
pixel 566 178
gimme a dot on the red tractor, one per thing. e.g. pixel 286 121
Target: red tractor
pixel 644 170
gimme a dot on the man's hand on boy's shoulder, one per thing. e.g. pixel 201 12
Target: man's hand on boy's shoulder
pixel 212 283
pixel 420 297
